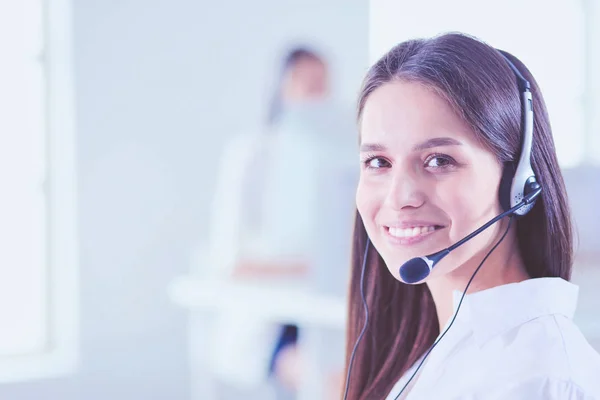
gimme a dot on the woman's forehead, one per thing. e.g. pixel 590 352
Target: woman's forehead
pixel 410 112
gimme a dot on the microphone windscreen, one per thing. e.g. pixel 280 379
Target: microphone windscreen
pixel 414 270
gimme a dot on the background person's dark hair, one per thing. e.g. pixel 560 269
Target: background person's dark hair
pixel 292 57
pixel 477 82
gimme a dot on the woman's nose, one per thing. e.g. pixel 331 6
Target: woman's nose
pixel 405 191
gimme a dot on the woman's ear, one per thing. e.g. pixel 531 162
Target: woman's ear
pixel 508 172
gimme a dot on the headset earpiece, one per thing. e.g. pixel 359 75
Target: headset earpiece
pixel 522 178
pixel 508 173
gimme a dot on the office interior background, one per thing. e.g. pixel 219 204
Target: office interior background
pixel 114 118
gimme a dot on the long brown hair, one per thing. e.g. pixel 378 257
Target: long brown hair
pixel 478 83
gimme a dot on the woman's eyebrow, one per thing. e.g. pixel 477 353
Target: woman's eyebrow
pixel 435 142
pixel 372 147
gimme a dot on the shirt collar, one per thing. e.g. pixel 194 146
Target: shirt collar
pixel 494 311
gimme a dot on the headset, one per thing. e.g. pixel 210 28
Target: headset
pixel 517 193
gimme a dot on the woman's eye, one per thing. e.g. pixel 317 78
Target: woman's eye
pixel 376 163
pixel 439 161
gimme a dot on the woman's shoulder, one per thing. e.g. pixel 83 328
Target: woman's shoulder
pixel 581 359
pixel 552 352
pixel 546 357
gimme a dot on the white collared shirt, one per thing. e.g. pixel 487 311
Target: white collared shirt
pixel 511 342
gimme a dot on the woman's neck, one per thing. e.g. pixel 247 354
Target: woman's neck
pixel 503 266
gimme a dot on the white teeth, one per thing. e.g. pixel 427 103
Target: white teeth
pixel 410 232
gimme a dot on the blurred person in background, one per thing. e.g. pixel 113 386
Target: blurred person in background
pixel 264 215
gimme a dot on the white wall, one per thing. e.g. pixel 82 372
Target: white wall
pixel 159 87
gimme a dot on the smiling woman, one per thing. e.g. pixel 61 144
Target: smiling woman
pixel 448 125
pixel 424 182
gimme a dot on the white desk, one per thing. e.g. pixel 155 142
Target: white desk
pixel 281 303
pixel 270 302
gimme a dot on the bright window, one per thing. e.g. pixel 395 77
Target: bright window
pixel 38 249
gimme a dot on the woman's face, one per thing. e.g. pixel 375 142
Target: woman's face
pixel 425 182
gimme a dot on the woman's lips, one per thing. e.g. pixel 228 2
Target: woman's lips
pixel 408 233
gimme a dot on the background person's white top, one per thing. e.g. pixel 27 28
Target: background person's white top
pixel 279 195
pixel 281 176
pixel 513 342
